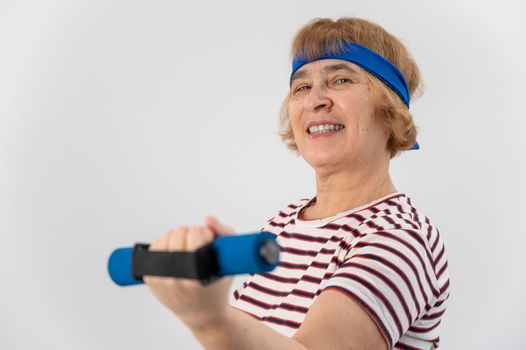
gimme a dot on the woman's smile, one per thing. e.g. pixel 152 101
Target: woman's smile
pixel 324 131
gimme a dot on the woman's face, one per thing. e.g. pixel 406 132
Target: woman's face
pixel 336 93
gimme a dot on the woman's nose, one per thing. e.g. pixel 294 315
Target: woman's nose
pixel 318 99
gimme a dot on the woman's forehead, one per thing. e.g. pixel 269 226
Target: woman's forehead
pixel 326 66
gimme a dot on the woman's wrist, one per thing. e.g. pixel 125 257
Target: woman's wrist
pixel 214 331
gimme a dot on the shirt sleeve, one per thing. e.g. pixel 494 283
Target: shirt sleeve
pixel 391 275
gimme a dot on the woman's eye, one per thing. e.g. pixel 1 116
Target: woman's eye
pixel 342 80
pixel 302 88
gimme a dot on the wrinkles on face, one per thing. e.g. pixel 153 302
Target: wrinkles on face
pixel 326 90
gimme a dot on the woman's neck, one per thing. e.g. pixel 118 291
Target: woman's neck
pixel 342 191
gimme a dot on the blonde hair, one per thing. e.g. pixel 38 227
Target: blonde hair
pixel 324 36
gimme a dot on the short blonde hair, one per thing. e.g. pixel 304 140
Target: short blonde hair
pixel 323 35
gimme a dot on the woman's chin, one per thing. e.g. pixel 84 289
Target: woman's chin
pixel 323 160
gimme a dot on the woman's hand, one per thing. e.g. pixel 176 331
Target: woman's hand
pixel 196 305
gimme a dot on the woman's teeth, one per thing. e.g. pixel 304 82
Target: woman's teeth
pixel 318 129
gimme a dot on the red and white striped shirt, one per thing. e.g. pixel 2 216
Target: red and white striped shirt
pixel 386 255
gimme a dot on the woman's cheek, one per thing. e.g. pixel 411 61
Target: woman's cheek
pixel 294 119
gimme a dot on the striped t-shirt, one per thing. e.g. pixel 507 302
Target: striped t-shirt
pixel 385 255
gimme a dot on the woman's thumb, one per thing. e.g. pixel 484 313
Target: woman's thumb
pixel 217 227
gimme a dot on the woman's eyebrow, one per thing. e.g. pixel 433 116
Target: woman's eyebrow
pixel 328 69
pixel 340 66
pixel 298 75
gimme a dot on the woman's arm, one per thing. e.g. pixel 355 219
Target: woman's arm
pixel 334 321
pixel 239 330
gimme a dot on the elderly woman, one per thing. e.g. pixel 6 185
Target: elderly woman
pixel 360 267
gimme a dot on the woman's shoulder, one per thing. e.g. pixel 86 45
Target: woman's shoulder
pixel 399 217
pixel 287 212
pixel 397 212
pixel 401 224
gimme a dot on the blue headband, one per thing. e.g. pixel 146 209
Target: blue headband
pixel 371 62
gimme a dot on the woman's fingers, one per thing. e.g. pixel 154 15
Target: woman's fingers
pixel 194 303
pixel 217 227
pixel 173 240
pixel 170 239
pixel 185 238
pixel 177 239
pixel 198 236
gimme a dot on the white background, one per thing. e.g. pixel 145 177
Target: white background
pixel 122 119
